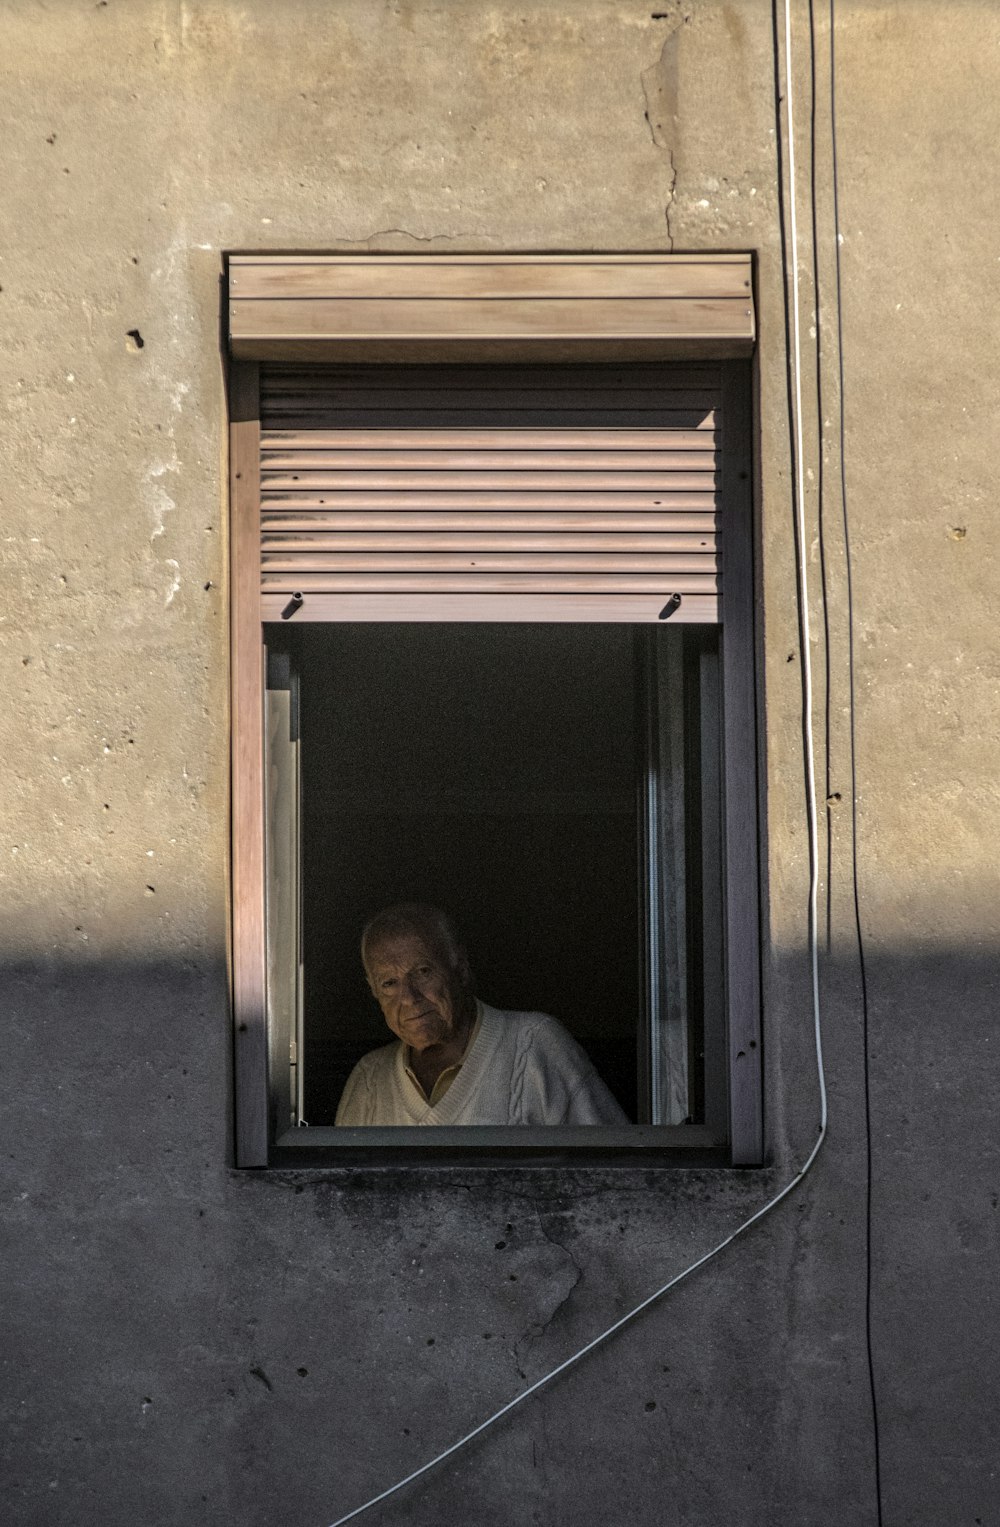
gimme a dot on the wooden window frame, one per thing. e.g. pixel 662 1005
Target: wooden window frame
pixel 257 1141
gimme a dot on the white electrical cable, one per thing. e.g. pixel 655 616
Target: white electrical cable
pixel 813 836
pixel 805 637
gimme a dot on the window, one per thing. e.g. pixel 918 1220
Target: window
pixel 556 784
pixel 516 567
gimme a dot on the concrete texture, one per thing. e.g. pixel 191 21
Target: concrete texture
pixel 191 1344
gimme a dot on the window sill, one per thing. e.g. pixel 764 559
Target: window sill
pixel 686 1145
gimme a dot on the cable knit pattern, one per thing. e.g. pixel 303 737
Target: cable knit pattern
pixel 515 1105
pixel 522 1068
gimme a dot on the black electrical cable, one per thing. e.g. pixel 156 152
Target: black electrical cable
pixel 855 876
pixel 845 526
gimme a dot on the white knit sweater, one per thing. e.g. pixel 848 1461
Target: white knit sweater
pixel 522 1068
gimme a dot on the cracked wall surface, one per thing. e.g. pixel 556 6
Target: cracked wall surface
pixel 187 1343
pixel 659 87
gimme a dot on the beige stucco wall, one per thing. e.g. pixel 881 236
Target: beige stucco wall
pixel 182 131
pixel 144 139
pixel 163 144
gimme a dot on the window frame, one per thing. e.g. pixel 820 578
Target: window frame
pixel 258 1142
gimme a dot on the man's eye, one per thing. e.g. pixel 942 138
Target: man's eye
pixel 387 985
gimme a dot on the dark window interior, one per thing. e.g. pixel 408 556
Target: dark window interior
pixel 490 769
pixel 553 786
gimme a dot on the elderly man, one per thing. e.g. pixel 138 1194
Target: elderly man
pixel 454 1059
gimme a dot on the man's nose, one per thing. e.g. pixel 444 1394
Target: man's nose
pixel 411 991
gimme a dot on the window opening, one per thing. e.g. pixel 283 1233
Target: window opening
pixel 545 783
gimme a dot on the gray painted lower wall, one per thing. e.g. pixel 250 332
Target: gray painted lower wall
pixel 189 1343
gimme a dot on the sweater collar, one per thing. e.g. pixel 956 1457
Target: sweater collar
pixel 475 1063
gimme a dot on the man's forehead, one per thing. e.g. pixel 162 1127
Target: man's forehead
pixel 402 950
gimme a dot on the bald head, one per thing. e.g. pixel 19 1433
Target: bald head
pixel 414 919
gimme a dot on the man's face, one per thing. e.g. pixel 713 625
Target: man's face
pixel 423 1001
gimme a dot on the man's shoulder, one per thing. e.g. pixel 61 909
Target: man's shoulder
pixel 369 1081
pixel 534 1028
pixel 378 1061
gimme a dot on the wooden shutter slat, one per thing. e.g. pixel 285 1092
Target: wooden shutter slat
pixel 458 481
pixel 419 461
pixel 493 605
pixel 322 523
pixel 279 443
pixel 487 561
pixel 388 505
pixel 594 508
pixel 494 581
pixel 653 502
pixel 379 542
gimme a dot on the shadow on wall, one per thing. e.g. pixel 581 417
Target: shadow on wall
pixel 119 1056
pixel 106 1051
pixel 149 1277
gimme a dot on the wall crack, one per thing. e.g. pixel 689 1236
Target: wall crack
pixel 536 1331
pixel 659 88
pixel 418 238
pixel 671 189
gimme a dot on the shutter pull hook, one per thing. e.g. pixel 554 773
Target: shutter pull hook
pixel 295 603
pixel 672 604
